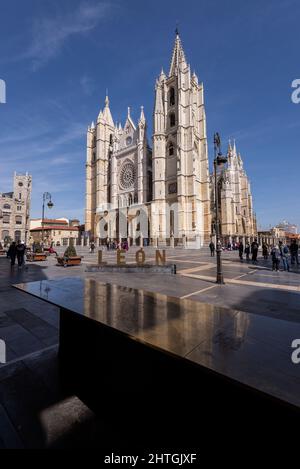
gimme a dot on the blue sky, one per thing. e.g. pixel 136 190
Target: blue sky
pixel 58 58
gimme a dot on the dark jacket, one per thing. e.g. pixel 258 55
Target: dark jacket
pixel 294 248
pixel 12 251
pixel 20 249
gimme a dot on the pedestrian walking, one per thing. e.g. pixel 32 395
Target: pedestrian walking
pixel 247 251
pixel 11 253
pixel 275 255
pixel 241 250
pixel 254 251
pixel 265 251
pixel 284 254
pixel 294 249
pixel 20 249
pixel 92 247
pixel 212 248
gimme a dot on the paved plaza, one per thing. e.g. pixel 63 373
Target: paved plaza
pixel 30 330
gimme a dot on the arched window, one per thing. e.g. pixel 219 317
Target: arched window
pixel 17 235
pixel 6 207
pixel 172 119
pixel 172 96
pixel 111 139
pixel 6 218
pixel 18 220
pixel 5 234
pixel 94 141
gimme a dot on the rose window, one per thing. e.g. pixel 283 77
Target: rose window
pixel 127 174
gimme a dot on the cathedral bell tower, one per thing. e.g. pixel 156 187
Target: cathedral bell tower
pixel 180 161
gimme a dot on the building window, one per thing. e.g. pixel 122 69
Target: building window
pixel 6 207
pixel 5 234
pixel 172 119
pixel 172 189
pixel 20 184
pixel 20 196
pixel 111 139
pixel 94 157
pixel 19 208
pixel 59 232
pixel 18 220
pixel 172 96
pixel 6 218
pixel 17 236
pixel 128 141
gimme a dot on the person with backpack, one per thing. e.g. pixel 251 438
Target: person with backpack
pixel 275 255
pixel 284 254
pixel 20 249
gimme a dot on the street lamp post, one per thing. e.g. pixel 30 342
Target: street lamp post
pixel 46 196
pixel 219 159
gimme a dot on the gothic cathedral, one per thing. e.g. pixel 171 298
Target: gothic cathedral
pixel 161 196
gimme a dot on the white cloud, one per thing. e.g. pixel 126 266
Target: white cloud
pixel 50 34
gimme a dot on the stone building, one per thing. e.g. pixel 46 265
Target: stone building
pixel 236 215
pixel 56 232
pixel 15 210
pixel 158 196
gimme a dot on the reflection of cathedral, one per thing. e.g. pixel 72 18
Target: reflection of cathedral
pixel 162 195
pixel 236 214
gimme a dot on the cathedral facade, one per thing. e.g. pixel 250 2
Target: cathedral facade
pixel 161 196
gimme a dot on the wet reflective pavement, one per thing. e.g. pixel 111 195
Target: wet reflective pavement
pixel 251 349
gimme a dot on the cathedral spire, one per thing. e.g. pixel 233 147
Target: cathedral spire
pixel 129 122
pixel 229 150
pixel 234 148
pixel 178 56
pixel 106 112
pixel 142 116
pixel 158 98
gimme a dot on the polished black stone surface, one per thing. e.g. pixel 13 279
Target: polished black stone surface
pixel 251 349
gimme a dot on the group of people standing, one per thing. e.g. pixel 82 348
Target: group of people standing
pixel 112 245
pixel 247 250
pixel 281 253
pixel 17 250
pixel 286 254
